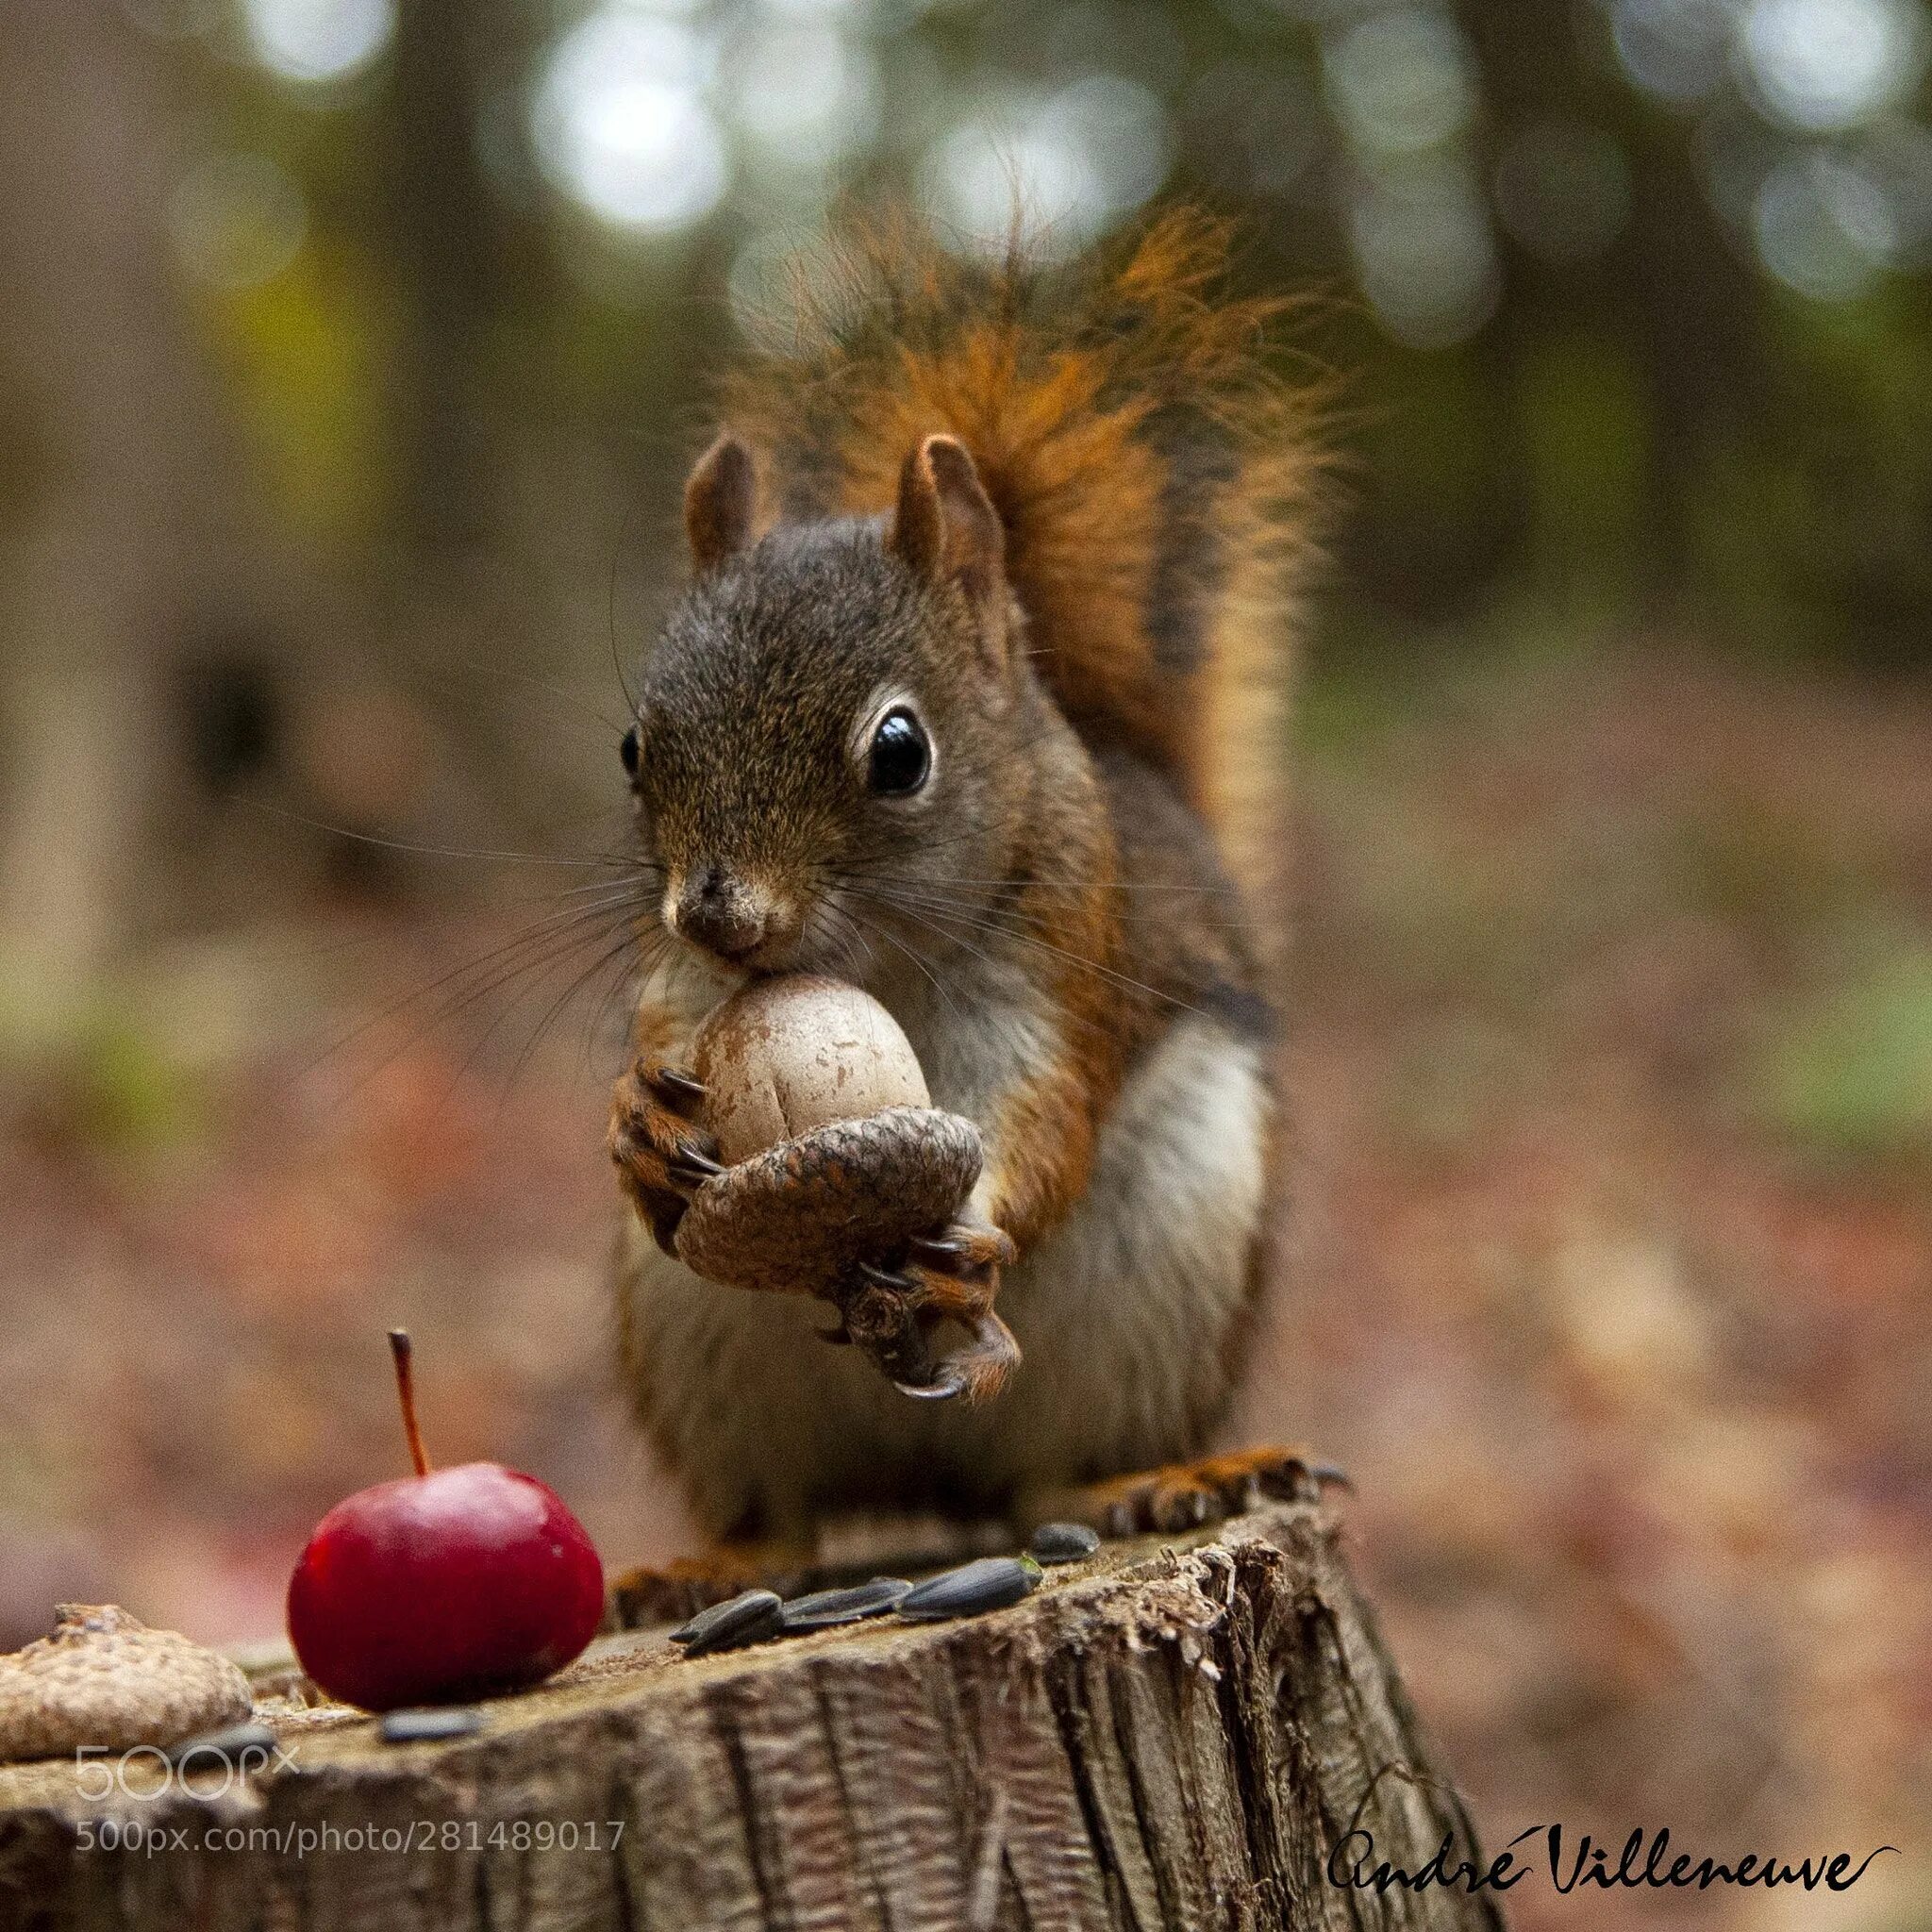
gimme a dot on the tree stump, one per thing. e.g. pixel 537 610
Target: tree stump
pixel 1173 1734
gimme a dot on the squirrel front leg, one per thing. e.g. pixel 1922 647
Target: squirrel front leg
pixel 895 1296
pixel 662 1152
pixel 1035 1107
pixel 1037 1143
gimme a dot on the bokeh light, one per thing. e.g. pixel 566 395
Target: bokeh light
pixel 318 41
pixel 236 219
pixel 1823 65
pixel 1069 163
pixel 1823 226
pixel 1676 49
pixel 804 96
pixel 622 123
pixel 814 9
pixel 1401 82
pixel 1423 252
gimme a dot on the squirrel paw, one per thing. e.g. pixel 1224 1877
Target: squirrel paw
pixel 662 1155
pixel 1184 1496
pixel 836 1212
pixel 894 1313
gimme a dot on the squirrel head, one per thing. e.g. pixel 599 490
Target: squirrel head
pixel 828 723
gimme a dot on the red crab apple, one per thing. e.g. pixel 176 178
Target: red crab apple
pixel 442 1586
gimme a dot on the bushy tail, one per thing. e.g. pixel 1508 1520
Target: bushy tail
pixel 1157 479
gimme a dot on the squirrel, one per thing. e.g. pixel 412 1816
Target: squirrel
pixel 976 698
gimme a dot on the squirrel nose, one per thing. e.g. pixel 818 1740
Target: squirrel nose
pixel 721 913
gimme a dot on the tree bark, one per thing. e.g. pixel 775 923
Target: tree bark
pixel 100 384
pixel 1173 1736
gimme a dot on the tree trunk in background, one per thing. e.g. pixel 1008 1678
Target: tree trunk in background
pixel 1169 1740
pixel 448 250
pixel 104 396
pixel 1672 289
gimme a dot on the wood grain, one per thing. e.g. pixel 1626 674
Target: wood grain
pixel 1169 1737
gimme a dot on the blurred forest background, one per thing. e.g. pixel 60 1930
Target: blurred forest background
pixel 351 352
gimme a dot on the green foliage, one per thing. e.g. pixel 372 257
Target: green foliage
pixel 1849 1071
pixel 306 352
pixel 1587 448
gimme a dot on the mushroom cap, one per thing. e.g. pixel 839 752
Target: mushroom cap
pixel 104 1677
pixel 787 1054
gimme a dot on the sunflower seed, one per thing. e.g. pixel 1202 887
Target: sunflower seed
pixel 701 1621
pixel 211 1747
pixel 747 1619
pixel 414 1726
pixel 1063 1542
pixel 990 1584
pixel 826 1607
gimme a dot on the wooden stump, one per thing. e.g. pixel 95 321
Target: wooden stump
pixel 1173 1734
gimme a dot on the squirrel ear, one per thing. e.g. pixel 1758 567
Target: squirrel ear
pixel 946 526
pixel 719 502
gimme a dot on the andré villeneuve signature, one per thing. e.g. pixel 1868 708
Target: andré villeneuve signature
pixel 1645 1860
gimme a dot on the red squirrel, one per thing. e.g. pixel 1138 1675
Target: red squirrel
pixel 976 699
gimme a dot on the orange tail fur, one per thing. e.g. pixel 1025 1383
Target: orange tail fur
pixel 1158 481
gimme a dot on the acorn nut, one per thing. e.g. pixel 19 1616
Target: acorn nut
pixel 788 1054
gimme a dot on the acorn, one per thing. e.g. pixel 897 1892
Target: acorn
pixel 834 1153
pixel 788 1054
pixel 104 1677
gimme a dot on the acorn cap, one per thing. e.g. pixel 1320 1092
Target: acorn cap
pixel 795 1219
pixel 104 1677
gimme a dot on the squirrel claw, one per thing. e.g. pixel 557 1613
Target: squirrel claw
pixel 977 1371
pixel 690 1166
pixel 952 1380
pixel 691 1155
pixel 964 1251
pixel 946 1276
pixel 675 1086
pixel 933 1247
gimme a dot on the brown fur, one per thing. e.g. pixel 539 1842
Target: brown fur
pixel 1068 508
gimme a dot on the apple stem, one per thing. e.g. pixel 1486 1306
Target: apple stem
pixel 406 1395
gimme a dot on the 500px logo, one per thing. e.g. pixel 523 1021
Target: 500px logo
pixel 130 1835
pixel 214 1767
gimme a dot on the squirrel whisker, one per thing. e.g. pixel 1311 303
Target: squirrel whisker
pixel 620 953
pixel 939 985
pixel 539 947
pixel 1123 981
pixel 993 909
pixel 262 805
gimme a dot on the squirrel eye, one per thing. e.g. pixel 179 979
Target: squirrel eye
pixel 627 751
pixel 901 756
